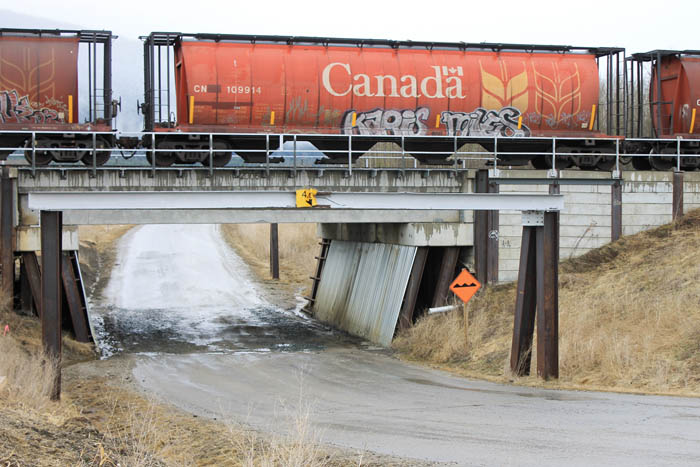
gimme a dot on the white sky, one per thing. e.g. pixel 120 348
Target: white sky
pixel 636 25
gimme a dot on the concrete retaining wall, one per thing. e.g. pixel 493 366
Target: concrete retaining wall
pixel 586 219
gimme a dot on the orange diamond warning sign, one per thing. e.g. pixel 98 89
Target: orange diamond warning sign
pixel 465 286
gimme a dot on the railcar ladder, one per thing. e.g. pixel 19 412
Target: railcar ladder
pixel 316 278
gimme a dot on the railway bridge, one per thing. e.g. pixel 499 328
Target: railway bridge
pixel 392 239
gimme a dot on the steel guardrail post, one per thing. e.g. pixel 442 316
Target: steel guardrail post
pixel 350 154
pixel 153 155
pixel 211 155
pixel 267 155
pixel 33 154
pixel 94 155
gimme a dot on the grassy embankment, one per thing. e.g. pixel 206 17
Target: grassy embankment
pixel 629 315
pixel 100 421
pixel 297 247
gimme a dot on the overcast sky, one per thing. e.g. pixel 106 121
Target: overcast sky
pixel 636 25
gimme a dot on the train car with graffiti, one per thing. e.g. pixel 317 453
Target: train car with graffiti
pixel 375 89
pixel 40 104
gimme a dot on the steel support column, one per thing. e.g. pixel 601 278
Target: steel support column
pixel 409 300
pixel 274 252
pixel 616 210
pixel 51 299
pixel 7 256
pixel 538 298
pixel 481 230
pixel 74 299
pixel 525 305
pixel 677 195
pixel 493 237
pixel 548 297
pixel 446 275
pixel 33 277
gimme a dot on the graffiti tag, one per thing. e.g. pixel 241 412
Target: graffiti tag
pixel 482 122
pixel 16 109
pixel 406 122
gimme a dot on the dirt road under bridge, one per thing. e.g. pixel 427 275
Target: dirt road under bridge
pixel 204 338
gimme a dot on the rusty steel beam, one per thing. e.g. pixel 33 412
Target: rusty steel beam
pixel 7 256
pixel 525 305
pixel 548 297
pixel 76 308
pixel 33 276
pixel 26 300
pixel 677 195
pixel 616 210
pixel 274 252
pixel 446 275
pixel 481 230
pixel 51 226
pixel 492 241
pixel 409 300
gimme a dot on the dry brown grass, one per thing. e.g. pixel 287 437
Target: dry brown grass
pixel 298 245
pixel 629 319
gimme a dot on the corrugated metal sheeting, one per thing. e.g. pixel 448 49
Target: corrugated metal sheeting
pixel 362 287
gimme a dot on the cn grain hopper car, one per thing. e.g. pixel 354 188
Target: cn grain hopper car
pixel 671 110
pixel 375 90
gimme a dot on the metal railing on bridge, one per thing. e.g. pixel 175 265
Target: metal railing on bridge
pixel 269 152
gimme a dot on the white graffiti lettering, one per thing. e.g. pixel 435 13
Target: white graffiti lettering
pixel 16 109
pixel 406 122
pixel 482 122
pixel 441 83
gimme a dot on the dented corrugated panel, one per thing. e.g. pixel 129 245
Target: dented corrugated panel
pixel 362 287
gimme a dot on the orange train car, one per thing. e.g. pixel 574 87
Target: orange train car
pixel 39 92
pixel 272 84
pixel 672 110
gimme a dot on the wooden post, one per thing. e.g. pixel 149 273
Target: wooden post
pixel 274 252
pixel 7 255
pixel 677 195
pixel 548 297
pixel 409 300
pixel 616 210
pixel 51 299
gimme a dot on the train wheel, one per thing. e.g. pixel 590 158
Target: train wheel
pixel 220 158
pixel 641 163
pixel 163 159
pixel 541 162
pixel 606 163
pixel 101 157
pixel 661 163
pixel 41 158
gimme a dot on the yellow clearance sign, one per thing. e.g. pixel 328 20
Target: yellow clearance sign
pixel 465 286
pixel 306 197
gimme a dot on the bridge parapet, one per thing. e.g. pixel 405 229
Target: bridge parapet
pixel 360 180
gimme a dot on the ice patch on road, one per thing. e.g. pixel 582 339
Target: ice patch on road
pixel 177 267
